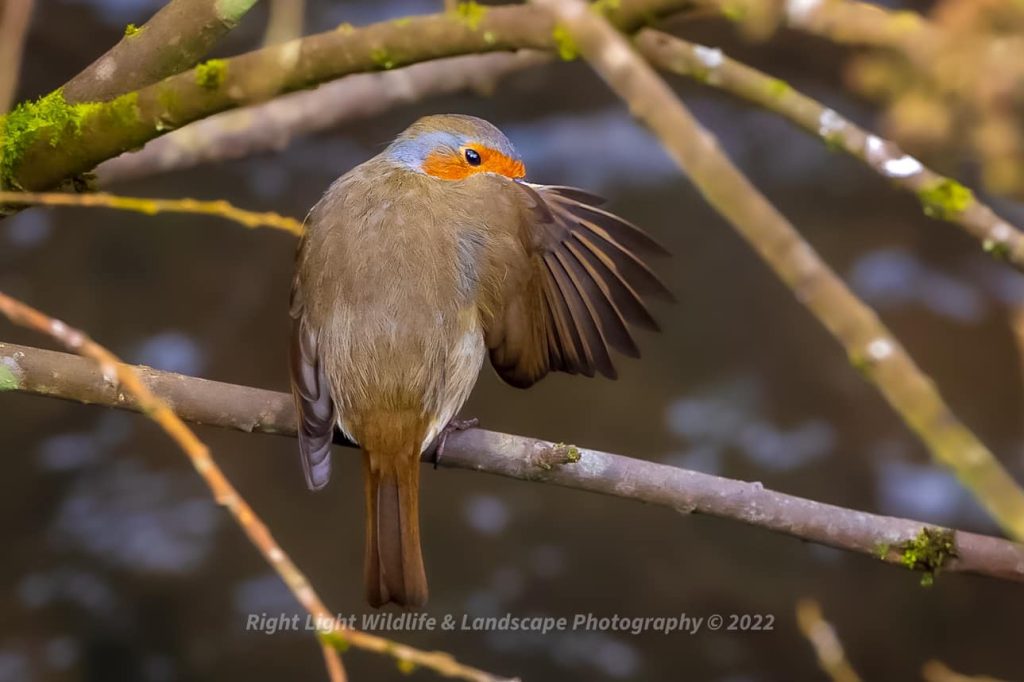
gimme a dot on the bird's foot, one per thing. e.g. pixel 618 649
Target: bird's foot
pixel 453 425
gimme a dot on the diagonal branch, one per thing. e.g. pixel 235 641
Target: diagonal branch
pixel 253 410
pixel 174 39
pixel 870 346
pixel 129 384
pixel 942 197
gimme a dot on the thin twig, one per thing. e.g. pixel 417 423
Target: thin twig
pixel 117 375
pixel 870 346
pixel 937 671
pixel 14 20
pixel 942 197
pixel 149 206
pixel 174 39
pixel 253 410
pixel 822 636
pixel 270 127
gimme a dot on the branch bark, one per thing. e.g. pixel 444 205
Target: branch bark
pixel 255 410
pixel 870 346
pixel 174 39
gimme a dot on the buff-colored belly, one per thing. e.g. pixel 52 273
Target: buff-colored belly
pixel 437 384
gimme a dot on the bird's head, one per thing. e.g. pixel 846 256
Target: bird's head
pixel 455 147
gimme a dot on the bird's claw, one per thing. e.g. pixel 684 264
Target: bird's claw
pixel 453 425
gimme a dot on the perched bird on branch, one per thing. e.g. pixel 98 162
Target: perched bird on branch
pixel 416 265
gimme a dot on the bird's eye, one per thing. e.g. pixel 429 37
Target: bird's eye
pixel 473 157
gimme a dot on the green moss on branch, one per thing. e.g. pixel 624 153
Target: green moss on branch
pixel 945 199
pixel 928 552
pixel 211 74
pixel 8 382
pixel 52 121
pixel 470 13
pixel 564 43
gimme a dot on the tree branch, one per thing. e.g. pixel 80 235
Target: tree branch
pixel 870 345
pixel 270 126
pixel 174 39
pixel 943 198
pixel 89 133
pixel 254 410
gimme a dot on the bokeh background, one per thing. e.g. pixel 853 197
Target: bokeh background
pixel 117 565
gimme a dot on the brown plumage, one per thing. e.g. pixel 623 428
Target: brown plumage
pixel 416 265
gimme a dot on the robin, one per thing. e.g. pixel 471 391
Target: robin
pixel 414 267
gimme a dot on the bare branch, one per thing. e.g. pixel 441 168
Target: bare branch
pixel 254 410
pixel 221 208
pixel 14 20
pixel 129 383
pixel 177 37
pixel 871 347
pixel 942 197
pixel 270 127
pixel 119 375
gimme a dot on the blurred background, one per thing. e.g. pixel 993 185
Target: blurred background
pixel 117 565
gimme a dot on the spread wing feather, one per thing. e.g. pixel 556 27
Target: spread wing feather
pixel 585 284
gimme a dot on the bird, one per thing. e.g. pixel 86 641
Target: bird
pixel 414 267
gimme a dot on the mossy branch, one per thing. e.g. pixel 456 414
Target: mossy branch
pixel 870 346
pixel 88 133
pixel 941 197
pixel 253 410
pixel 174 39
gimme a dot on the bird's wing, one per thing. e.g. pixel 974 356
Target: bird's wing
pixel 312 394
pixel 584 285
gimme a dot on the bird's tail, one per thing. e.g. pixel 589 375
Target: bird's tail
pixel 393 565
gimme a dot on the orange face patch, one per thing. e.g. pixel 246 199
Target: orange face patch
pixel 454 166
